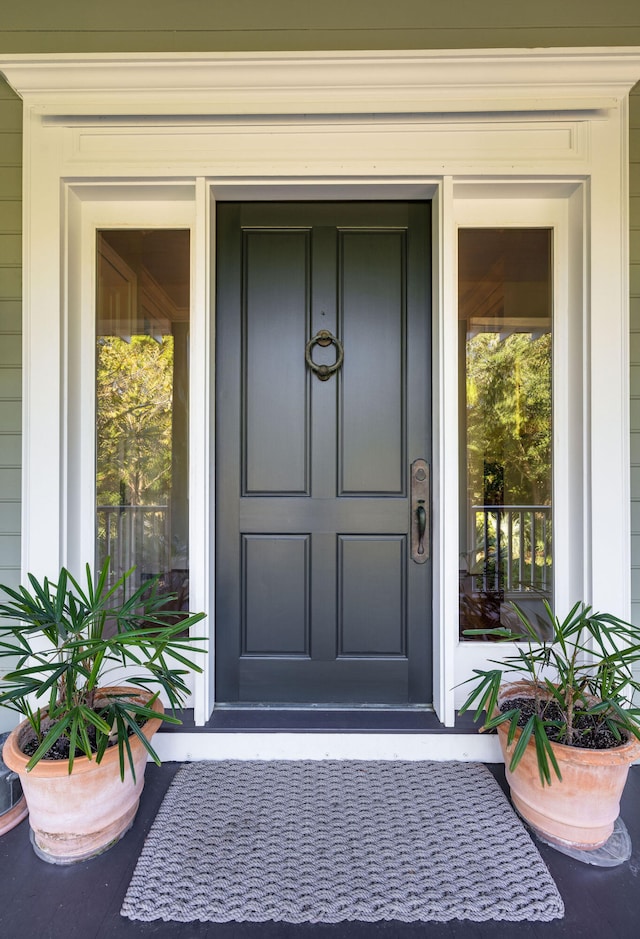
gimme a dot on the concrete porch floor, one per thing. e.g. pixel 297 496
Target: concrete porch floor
pixel 83 901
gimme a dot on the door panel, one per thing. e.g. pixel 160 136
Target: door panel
pixel 372 618
pixel 371 282
pixel 275 314
pixel 276 585
pixel 318 600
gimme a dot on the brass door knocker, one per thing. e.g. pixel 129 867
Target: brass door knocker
pixel 324 338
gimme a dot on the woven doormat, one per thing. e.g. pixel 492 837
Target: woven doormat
pixel 326 841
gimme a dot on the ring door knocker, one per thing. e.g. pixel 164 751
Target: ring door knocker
pixel 324 338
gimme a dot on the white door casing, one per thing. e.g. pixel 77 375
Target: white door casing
pixel 494 137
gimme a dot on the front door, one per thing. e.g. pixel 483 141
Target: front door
pixel 323 594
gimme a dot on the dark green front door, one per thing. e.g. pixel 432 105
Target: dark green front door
pixel 318 599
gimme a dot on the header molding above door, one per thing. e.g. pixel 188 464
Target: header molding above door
pixel 374 82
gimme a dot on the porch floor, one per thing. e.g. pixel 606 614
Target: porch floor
pixel 83 901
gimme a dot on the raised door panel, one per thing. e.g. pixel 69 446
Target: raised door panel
pixel 275 316
pixel 372 312
pixel 371 595
pixel 275 586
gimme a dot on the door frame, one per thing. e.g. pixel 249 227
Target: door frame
pixel 544 124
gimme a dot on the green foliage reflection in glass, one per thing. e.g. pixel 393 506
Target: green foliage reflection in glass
pixel 134 420
pixel 505 312
pixel 509 415
pixel 142 406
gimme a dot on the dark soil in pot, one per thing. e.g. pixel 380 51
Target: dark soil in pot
pixel 60 749
pixel 590 731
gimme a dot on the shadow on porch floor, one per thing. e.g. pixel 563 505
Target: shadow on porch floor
pixel 83 901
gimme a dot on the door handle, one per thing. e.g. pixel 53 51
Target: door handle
pixel 420 515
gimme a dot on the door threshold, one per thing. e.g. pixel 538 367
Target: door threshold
pixel 319 720
pixel 284 706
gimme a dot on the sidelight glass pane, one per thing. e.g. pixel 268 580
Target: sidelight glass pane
pixel 505 350
pixel 142 406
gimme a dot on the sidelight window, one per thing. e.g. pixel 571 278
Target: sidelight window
pixel 505 354
pixel 142 406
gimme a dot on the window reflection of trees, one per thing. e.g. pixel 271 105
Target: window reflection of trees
pixel 142 331
pixel 134 418
pixel 509 416
pixel 505 315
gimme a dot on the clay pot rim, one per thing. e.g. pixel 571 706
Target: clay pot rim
pixel 16 760
pixel 624 753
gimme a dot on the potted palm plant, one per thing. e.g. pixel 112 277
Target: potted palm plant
pixel 81 750
pixel 568 728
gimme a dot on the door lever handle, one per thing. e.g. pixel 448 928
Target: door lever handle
pixel 421 516
pixel 420 495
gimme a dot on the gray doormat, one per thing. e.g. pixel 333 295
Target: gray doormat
pixel 322 841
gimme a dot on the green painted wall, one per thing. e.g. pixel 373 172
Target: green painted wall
pixel 10 343
pixel 10 338
pixel 76 25
pixel 191 25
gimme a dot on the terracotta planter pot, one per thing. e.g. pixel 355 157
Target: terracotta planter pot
pixel 74 817
pixel 581 809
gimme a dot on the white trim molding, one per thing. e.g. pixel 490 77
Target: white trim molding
pixel 109 139
pixel 486 80
pixel 483 748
